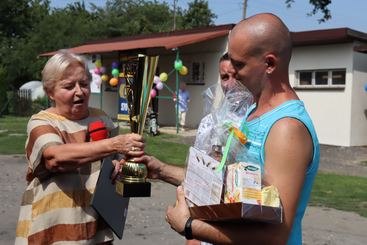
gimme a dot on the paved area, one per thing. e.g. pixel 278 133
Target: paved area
pixel 145 224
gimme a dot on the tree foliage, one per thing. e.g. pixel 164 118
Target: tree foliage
pixel 198 14
pixel 318 5
pixel 129 17
pixel 31 27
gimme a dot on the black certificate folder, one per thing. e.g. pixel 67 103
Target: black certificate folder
pixel 108 203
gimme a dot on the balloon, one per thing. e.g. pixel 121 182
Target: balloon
pixel 103 69
pixel 115 65
pixel 183 71
pixel 97 70
pixel 365 87
pixel 98 63
pixel 163 76
pixel 104 78
pixel 156 79
pixel 153 93
pixel 159 86
pixel 115 72
pixel 178 65
pixel 114 81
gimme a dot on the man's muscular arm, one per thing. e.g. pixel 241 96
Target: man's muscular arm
pixel 288 152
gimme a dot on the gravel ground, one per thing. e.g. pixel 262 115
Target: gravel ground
pixel 145 224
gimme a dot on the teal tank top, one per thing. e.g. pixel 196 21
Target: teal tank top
pixel 258 130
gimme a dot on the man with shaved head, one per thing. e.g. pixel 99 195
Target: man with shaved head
pixel 281 138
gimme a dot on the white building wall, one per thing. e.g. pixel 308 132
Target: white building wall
pixel 329 109
pixel 359 100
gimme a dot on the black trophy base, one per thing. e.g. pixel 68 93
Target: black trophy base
pixel 133 189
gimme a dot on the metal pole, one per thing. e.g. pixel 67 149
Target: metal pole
pixel 101 97
pixel 177 93
pixel 244 9
pixel 174 15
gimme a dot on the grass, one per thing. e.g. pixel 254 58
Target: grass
pixel 346 193
pixel 13 134
pixel 161 147
pixel 166 151
pixel 340 192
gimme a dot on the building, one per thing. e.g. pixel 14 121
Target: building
pixel 328 69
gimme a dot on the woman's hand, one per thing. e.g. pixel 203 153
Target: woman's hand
pixel 129 144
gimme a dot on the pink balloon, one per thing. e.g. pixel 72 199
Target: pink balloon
pixel 159 86
pixel 97 70
pixel 156 80
pixel 153 93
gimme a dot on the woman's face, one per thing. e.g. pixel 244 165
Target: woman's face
pixel 227 73
pixel 71 94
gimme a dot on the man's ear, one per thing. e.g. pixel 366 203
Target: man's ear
pixel 270 62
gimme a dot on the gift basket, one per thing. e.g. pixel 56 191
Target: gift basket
pixel 223 182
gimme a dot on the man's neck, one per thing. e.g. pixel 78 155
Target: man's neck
pixel 272 97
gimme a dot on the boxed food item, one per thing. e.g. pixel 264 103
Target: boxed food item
pixel 225 164
pixel 243 183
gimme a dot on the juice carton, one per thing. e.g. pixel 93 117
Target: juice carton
pixel 243 183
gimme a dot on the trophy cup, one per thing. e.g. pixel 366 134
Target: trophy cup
pixel 132 180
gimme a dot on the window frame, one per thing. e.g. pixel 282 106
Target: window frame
pixel 313 84
pixel 201 73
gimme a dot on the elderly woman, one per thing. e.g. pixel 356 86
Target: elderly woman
pixel 63 164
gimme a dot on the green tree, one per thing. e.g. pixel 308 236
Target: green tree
pixel 3 93
pixel 31 27
pixel 57 29
pixel 18 19
pixel 198 15
pixel 318 5
pixel 129 17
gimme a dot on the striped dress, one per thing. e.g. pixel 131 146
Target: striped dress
pixel 55 207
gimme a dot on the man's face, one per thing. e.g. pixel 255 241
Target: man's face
pixel 227 73
pixel 249 70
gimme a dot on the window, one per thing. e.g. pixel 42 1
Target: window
pixel 305 78
pixel 197 73
pixel 321 78
pixel 338 77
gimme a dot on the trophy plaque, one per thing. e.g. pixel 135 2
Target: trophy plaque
pixel 131 181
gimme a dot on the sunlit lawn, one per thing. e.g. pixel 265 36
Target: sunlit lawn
pixel 13 133
pixel 330 190
pixel 340 192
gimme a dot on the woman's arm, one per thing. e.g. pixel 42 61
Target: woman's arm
pixel 67 157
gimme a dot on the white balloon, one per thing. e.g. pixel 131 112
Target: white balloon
pixel 157 80
pixel 159 86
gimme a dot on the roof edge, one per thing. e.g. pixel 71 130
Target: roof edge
pixel 164 34
pixel 327 36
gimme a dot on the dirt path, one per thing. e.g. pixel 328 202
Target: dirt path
pixel 145 224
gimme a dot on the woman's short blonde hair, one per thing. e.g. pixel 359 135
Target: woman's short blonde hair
pixel 56 66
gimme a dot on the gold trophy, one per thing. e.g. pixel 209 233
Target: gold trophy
pixel 132 180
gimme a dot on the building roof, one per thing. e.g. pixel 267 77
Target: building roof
pixel 361 49
pixel 176 39
pixel 327 36
pixel 166 40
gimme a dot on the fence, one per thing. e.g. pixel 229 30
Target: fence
pixel 25 94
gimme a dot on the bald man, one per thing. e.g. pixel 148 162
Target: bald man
pixel 282 138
